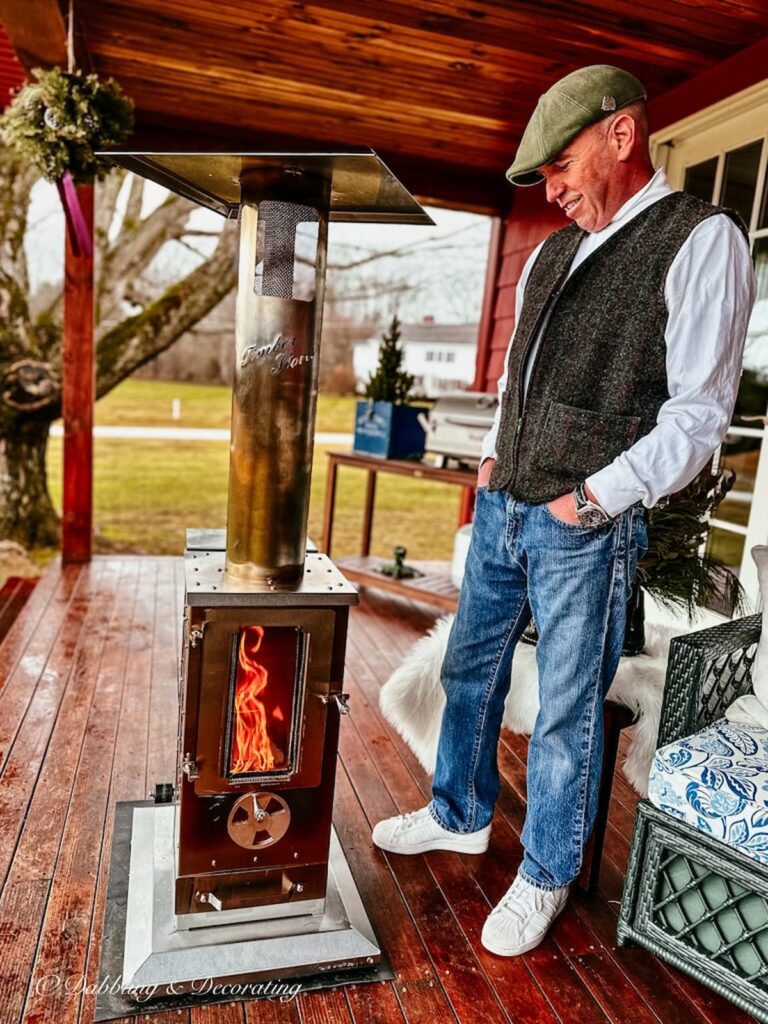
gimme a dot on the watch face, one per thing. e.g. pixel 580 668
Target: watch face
pixel 590 517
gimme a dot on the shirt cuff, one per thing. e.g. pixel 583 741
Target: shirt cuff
pixel 612 491
pixel 488 449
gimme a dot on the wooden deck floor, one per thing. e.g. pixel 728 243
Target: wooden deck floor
pixel 88 718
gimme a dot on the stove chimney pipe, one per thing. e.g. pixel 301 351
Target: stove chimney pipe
pixel 283 238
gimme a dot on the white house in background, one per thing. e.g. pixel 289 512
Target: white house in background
pixel 441 357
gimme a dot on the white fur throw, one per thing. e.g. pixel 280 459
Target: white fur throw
pixel 412 699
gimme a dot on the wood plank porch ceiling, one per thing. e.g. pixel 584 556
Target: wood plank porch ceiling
pixel 441 89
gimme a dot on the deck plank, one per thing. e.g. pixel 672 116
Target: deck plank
pixel 128 752
pixel 28 665
pixel 88 717
pixel 66 932
pixel 40 770
pixel 659 989
pixel 271 1011
pixel 552 994
pixel 13 596
pixel 520 996
pixel 416 984
pixel 15 641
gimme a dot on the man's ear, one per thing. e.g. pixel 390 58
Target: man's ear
pixel 622 133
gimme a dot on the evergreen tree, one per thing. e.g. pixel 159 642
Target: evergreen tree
pixel 390 383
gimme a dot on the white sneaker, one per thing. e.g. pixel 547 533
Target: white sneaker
pixel 522 918
pixel 418 832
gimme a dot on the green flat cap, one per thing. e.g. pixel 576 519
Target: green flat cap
pixel 574 102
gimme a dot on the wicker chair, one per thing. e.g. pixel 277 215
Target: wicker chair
pixel 692 900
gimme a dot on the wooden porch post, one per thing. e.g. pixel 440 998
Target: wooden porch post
pixel 77 395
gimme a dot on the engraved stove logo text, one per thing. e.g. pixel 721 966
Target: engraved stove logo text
pixel 281 353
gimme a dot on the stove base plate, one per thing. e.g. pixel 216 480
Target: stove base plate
pixel 161 959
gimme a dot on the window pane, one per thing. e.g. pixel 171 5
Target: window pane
pixel 727 547
pixel 740 178
pixel 753 391
pixel 739 454
pixel 763 218
pixel 700 179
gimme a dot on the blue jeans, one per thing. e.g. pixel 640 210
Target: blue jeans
pixel 576 582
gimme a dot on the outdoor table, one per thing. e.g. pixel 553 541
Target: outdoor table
pixel 435 586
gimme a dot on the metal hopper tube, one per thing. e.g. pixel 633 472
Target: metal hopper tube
pixel 284 202
pixel 278 322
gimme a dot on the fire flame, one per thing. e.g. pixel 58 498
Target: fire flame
pixel 251 749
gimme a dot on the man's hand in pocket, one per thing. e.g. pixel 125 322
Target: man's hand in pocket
pixel 484 473
pixel 564 508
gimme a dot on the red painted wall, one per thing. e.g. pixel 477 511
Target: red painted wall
pixel 746 68
pixel 11 72
pixel 531 219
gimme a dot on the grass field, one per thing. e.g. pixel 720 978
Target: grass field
pixel 149 403
pixel 147 492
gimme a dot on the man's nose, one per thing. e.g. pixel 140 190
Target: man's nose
pixel 554 189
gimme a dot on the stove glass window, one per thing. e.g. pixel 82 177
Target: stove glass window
pixel 265 697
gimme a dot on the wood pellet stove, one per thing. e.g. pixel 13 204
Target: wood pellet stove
pixel 241 876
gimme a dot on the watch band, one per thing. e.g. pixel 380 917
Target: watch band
pixel 589 513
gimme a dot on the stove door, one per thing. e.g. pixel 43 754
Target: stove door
pixel 263 679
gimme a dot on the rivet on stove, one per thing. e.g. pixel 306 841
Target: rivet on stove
pixel 213 863
pixel 255 859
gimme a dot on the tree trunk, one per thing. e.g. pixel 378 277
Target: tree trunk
pixel 27 514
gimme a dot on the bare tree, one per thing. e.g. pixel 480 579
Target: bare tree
pixel 133 325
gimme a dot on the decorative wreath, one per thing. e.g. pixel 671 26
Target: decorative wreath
pixel 60 119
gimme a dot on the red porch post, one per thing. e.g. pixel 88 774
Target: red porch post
pixel 77 395
pixel 484 336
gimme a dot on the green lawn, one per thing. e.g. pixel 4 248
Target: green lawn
pixel 149 403
pixel 147 492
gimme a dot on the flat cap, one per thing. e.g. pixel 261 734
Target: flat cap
pixel 571 104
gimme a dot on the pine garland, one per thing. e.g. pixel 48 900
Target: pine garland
pixel 390 383
pixel 58 120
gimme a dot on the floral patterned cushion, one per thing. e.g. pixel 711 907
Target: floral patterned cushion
pixel 717 781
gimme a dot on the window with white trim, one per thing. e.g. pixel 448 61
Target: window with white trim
pixel 727 163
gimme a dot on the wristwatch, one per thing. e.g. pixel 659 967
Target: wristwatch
pixel 589 512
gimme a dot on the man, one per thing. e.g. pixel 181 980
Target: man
pixel 620 382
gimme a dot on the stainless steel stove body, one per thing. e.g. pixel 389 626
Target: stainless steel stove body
pixel 248 883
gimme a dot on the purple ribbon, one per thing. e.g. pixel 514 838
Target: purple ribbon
pixel 79 234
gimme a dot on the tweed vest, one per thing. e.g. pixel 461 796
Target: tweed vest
pixel 599 375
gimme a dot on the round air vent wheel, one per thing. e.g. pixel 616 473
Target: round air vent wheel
pixel 257 820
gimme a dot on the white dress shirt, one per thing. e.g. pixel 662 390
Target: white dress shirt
pixel 709 292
